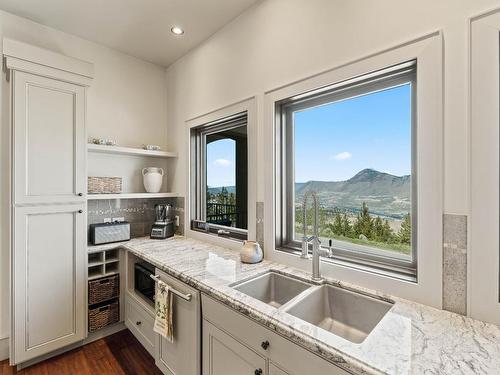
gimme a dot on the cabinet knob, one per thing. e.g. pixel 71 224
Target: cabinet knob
pixel 138 323
pixel 258 371
pixel 80 194
pixel 80 211
pixel 265 345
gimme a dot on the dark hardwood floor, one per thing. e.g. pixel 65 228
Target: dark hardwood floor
pixel 119 354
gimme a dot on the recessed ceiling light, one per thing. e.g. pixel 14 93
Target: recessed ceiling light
pixel 177 30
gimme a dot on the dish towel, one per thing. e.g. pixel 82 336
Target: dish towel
pixel 163 306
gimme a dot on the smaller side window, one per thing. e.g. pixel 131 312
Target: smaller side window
pixel 220 177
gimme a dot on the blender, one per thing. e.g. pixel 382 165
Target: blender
pixel 163 226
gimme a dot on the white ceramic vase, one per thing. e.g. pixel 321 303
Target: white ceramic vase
pixel 251 252
pixel 153 179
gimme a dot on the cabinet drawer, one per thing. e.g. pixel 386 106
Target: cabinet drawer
pixel 281 351
pixel 140 322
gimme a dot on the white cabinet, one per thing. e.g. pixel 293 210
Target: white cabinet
pixel 182 356
pixel 224 355
pixel 48 277
pixel 48 253
pixel 140 321
pixel 274 370
pixel 282 355
pixel 49 140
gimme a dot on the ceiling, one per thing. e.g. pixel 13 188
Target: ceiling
pixel 140 28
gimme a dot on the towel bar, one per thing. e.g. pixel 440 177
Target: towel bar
pixel 186 297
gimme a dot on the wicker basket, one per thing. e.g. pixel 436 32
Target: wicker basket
pixel 104 185
pixel 104 289
pixel 102 316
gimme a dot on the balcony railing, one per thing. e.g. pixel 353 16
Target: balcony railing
pixel 224 214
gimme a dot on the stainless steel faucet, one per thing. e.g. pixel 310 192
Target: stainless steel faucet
pixel 316 243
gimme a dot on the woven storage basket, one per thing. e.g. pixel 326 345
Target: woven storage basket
pixel 104 289
pixel 102 316
pixel 104 185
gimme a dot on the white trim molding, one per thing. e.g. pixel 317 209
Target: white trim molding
pixel 484 258
pixel 28 58
pixel 428 52
pixel 248 106
pixel 4 349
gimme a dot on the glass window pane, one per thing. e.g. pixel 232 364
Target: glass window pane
pixel 356 153
pixel 226 178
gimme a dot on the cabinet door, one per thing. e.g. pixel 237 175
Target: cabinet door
pixel 48 279
pixel 223 355
pixel 275 370
pixel 49 141
pixel 182 356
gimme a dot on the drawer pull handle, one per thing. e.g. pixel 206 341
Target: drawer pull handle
pixel 80 194
pixel 258 371
pixel 265 345
pixel 138 323
pixel 80 211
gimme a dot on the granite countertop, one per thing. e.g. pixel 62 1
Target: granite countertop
pixel 411 338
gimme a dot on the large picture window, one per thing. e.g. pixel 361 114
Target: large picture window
pixel 219 155
pixel 352 144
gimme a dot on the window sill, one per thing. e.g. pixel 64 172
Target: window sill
pixel 213 238
pixel 388 271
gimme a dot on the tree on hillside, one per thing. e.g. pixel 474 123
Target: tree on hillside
pixel 336 226
pixel 404 233
pixel 378 229
pixel 346 226
pixel 364 223
pixel 388 235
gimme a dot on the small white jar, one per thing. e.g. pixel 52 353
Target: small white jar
pixel 251 252
pixel 153 179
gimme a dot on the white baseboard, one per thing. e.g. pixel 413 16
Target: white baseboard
pixel 4 349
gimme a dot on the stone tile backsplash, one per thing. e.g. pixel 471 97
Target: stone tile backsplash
pixel 455 263
pixel 139 213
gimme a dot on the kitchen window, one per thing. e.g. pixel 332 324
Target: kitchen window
pixel 352 143
pixel 220 178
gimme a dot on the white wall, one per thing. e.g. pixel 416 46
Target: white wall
pixel 126 102
pixel 278 42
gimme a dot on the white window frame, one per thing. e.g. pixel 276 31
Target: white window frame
pixel 427 51
pixel 484 258
pixel 248 106
pixel 380 261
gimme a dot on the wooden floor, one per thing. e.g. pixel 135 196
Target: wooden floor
pixel 120 354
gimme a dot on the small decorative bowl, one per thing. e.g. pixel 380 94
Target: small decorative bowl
pixel 101 141
pixel 151 147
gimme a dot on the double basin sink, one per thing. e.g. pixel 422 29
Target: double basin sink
pixel 342 312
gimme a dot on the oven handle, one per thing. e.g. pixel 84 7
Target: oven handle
pixel 186 297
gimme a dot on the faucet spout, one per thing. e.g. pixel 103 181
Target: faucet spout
pixel 316 243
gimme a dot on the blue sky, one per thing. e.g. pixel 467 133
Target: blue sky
pixel 221 163
pixel 333 142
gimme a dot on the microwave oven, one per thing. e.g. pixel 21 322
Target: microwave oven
pixel 144 285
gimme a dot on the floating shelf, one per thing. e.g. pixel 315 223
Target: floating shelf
pixel 129 151
pixel 131 196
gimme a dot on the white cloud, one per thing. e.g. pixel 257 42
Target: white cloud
pixel 222 162
pixel 342 156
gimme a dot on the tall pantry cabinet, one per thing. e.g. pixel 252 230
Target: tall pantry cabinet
pixel 48 199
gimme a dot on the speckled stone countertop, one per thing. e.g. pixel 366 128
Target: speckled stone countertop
pixel 410 339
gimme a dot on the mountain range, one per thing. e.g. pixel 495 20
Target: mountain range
pixel 384 193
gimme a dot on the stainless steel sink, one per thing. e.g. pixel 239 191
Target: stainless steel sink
pixel 340 311
pixel 272 288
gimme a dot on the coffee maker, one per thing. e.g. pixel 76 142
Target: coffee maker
pixel 163 226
